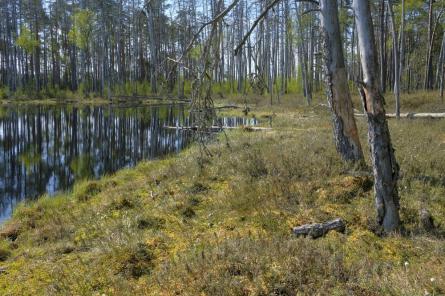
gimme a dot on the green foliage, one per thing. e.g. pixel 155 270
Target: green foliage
pixel 4 93
pixel 222 89
pixel 295 86
pixel 30 158
pixel 345 18
pixel 128 88
pixel 132 88
pixel 82 166
pixel 412 5
pixel 81 32
pixel 26 40
pixel 3 112
pixel 187 88
pixel 195 52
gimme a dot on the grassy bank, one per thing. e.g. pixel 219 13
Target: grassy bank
pixel 196 225
pixel 88 102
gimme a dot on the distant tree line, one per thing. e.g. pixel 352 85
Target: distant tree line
pixel 109 47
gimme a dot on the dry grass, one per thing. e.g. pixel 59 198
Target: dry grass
pixel 173 227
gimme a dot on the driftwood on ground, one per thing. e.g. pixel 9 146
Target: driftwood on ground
pixel 228 107
pixel 411 115
pixel 317 230
pixel 157 98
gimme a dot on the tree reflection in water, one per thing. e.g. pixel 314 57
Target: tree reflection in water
pixel 44 149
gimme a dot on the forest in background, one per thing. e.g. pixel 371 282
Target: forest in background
pixel 132 47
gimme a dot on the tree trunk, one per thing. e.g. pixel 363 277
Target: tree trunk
pixel 382 47
pixel 345 129
pixel 37 55
pixel 396 57
pixel 385 167
pixel 429 64
pixel 441 66
pixel 153 47
pixel 303 57
pixel 402 43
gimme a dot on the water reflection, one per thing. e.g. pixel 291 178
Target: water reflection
pixel 46 148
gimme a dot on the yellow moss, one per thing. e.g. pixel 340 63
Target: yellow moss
pixel 362 236
pixel 322 193
pixel 391 253
pixel 332 209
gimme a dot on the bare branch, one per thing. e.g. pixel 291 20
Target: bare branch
pixel 214 20
pixel 260 17
pixel 310 10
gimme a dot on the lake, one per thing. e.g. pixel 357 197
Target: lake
pixel 45 149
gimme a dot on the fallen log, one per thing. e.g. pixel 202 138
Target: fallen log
pixel 227 107
pixel 417 115
pixel 317 230
pixel 157 98
pixel 219 128
pixel 410 115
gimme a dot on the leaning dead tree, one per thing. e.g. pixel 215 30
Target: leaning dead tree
pixel 203 113
pixel 385 167
pixel 202 109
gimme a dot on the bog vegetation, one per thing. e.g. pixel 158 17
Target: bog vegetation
pixel 223 226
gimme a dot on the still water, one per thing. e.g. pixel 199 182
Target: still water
pixel 45 149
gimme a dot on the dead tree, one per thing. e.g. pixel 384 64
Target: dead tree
pixel 385 167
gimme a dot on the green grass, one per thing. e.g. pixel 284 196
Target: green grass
pixel 222 226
